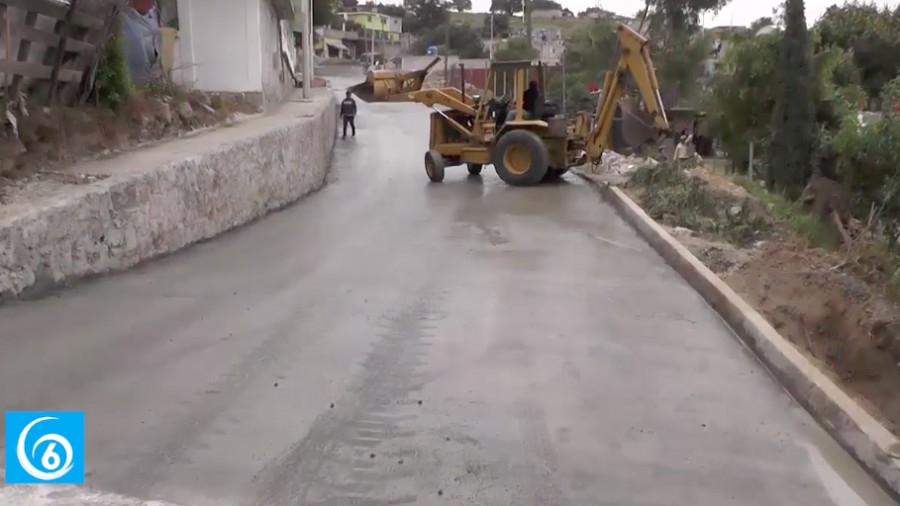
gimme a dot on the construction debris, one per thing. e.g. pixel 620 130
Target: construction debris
pixel 436 79
pixel 616 166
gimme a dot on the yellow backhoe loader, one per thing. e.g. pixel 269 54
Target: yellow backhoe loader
pixel 525 147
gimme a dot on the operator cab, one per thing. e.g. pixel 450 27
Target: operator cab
pixel 510 82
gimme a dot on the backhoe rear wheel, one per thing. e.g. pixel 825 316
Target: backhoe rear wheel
pixel 474 168
pixel 520 158
pixel 434 166
pixel 553 174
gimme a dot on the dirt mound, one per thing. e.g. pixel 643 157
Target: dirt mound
pixel 840 312
pixel 51 139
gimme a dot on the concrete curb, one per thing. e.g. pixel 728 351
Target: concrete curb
pixel 166 197
pixel 866 439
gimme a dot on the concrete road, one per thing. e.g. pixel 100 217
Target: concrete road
pixel 390 341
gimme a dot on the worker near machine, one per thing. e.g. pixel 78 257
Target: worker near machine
pixel 529 102
pixel 348 114
pixel 530 98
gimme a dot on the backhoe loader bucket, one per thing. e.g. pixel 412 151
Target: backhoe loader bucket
pixel 391 85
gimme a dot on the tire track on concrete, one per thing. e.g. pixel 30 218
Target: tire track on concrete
pixel 198 412
pixel 539 444
pixel 359 453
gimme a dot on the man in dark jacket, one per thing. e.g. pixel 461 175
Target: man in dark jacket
pixel 529 102
pixel 348 113
pixel 530 98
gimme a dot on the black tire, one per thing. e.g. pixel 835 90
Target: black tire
pixel 434 166
pixel 553 174
pixel 530 152
pixel 474 168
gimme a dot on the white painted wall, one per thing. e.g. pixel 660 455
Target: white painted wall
pixel 275 81
pixel 219 46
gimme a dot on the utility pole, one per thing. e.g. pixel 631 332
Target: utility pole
pixel 564 83
pixel 306 11
pixel 447 53
pixel 526 14
pixel 491 49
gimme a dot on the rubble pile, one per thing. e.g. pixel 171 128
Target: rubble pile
pixel 620 166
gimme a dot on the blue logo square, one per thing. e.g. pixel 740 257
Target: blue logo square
pixel 44 447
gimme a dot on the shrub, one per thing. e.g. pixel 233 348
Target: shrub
pixel 113 85
pixel 869 164
pixel 678 199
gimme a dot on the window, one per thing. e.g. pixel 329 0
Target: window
pixel 369 18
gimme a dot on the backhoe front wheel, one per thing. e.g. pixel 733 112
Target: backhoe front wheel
pixel 474 168
pixel 434 166
pixel 520 158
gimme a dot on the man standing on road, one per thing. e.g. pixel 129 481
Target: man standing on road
pixel 348 114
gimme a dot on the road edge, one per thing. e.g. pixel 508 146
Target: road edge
pixel 164 198
pixel 858 432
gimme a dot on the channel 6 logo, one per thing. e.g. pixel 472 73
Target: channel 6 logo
pixel 44 447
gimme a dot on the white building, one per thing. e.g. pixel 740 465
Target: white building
pixel 235 46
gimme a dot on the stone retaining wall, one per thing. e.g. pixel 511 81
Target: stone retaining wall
pixel 161 199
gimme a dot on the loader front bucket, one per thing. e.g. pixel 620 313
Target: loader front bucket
pixel 391 85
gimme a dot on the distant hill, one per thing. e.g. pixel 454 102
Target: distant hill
pixel 566 24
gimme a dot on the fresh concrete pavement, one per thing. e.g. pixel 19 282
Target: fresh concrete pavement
pixel 391 341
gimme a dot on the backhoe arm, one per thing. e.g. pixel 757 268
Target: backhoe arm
pixel 634 58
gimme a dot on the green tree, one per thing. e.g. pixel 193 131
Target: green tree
pixel 679 50
pixel 871 33
pixel 508 7
pixel 322 12
pixel 742 94
pixel 396 11
pixel 464 40
pixel 868 162
pixel 794 129
pixel 425 15
pixel 462 5
pixel 680 64
pixel 590 52
pixel 515 49
pixel 683 16
pixel 501 26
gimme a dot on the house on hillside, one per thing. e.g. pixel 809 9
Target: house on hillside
pixel 337 44
pixel 720 46
pixel 232 46
pixel 382 33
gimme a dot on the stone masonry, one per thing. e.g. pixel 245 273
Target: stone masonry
pixel 160 199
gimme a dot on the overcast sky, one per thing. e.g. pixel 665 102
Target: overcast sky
pixel 738 12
